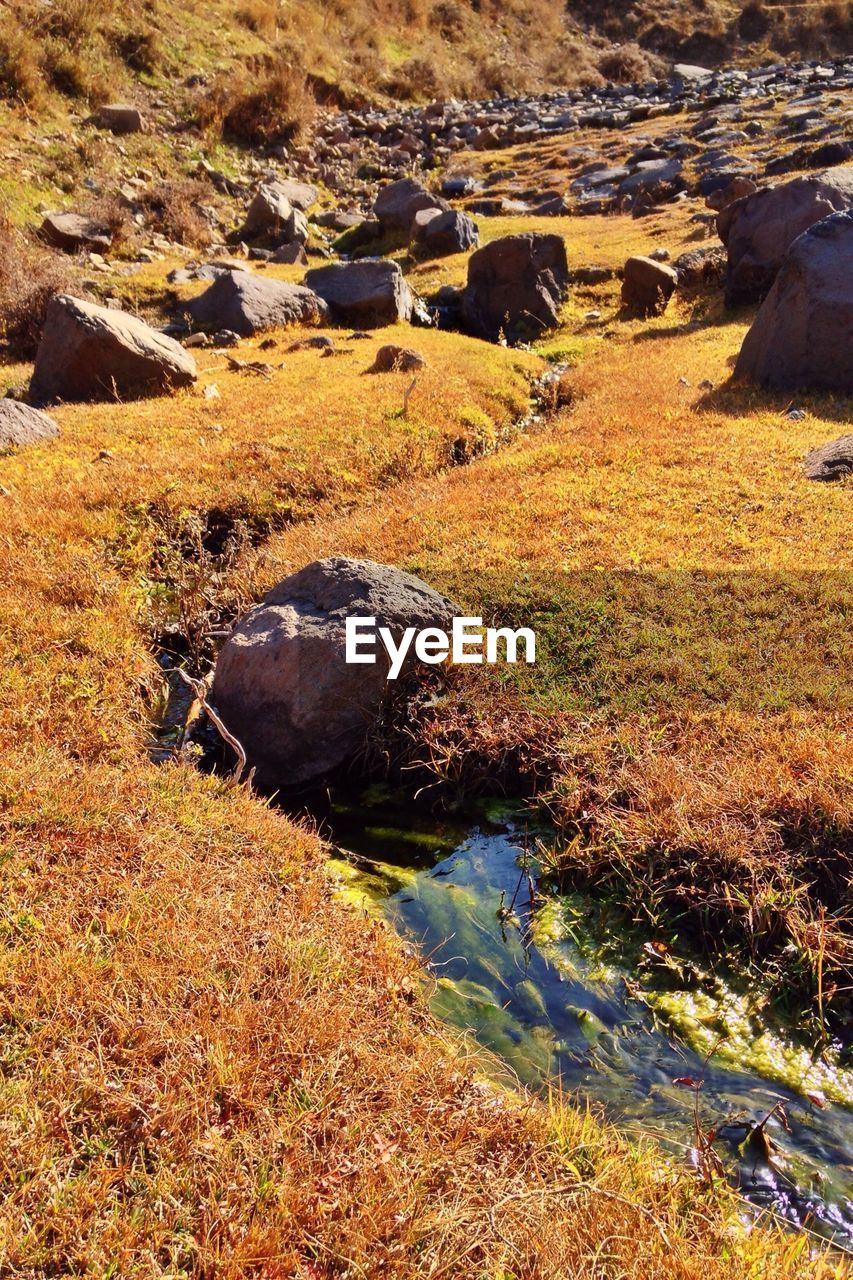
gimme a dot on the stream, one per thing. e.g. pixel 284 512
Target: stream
pixel 561 990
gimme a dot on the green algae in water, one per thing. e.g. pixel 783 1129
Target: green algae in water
pixel 700 1018
pixel 716 1017
pixel 562 989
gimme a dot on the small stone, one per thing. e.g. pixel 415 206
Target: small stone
pixel 394 359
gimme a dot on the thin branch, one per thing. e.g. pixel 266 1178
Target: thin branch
pixel 200 690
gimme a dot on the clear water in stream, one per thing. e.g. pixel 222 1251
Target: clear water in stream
pixel 553 1003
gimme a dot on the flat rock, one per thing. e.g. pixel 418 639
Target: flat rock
pixel 21 425
pixel 282 684
pixel 248 303
pixel 831 461
pixel 89 352
pixel 72 232
pixel 366 294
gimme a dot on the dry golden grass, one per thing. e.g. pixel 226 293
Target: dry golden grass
pixel 690 588
pixel 211 1066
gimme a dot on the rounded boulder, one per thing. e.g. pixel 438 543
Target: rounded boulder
pixel 803 333
pixel 283 686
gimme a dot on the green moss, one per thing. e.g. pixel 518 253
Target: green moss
pixel 701 1018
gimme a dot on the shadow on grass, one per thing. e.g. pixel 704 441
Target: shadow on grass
pixel 740 399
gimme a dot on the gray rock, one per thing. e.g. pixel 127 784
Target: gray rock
pixel 516 286
pixel 831 461
pixel 653 181
pixel 397 204
pixel 272 213
pixel 691 73
pixel 248 303
pixel 89 352
pixel 282 684
pixel 120 118
pixel 302 195
pixel 291 255
pixel 803 333
pixel 72 232
pixel 366 294
pixel 22 425
pixel 695 266
pixel 758 230
pixel 647 286
pixel 394 359
pixel 735 188
pixel 446 233
pixel 338 220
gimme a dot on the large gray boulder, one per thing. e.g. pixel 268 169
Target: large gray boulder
pixel 515 287
pixel 72 232
pixel 282 684
pixel 647 286
pixel 21 425
pixel 758 229
pixel 398 202
pixel 366 294
pixel 247 303
pixel 803 333
pixel 88 352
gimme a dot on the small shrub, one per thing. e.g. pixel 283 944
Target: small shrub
pixel 173 209
pixel 112 214
pixel 260 16
pixel 755 21
pixel 448 18
pixel 277 107
pixel 140 50
pixel 627 64
pixel 29 277
pixel 20 69
pixel 415 79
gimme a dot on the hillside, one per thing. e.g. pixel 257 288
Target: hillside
pixel 381 49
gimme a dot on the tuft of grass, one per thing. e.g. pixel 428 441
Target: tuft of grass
pixel 277 106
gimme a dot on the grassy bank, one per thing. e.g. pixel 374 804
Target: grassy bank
pixel 692 595
pixel 211 1065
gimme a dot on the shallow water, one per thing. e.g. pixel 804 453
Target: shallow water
pixel 550 990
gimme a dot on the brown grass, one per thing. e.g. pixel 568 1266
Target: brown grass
pixel 212 1066
pixel 276 107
